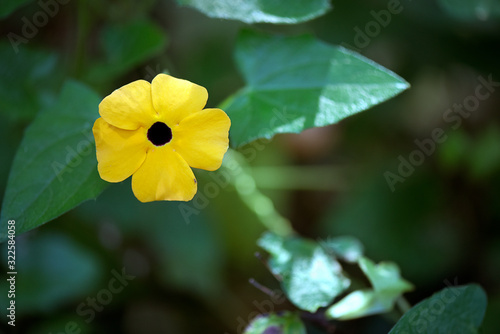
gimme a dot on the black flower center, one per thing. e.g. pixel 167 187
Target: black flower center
pixel 159 134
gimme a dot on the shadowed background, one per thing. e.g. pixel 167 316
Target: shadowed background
pixel 434 213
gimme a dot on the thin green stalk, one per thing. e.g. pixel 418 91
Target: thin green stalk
pixel 403 305
pixel 234 163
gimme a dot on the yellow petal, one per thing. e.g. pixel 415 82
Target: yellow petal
pixel 119 152
pixel 175 99
pixel 164 176
pixel 202 138
pixel 129 107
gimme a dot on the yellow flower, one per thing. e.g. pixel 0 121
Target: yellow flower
pixel 155 132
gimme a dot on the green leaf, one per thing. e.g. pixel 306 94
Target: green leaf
pixel 309 276
pixel 472 10
pixel 295 83
pixel 7 7
pixel 285 323
pixel 451 310
pixel 384 277
pixel 55 167
pixel 253 11
pixel 347 248
pixel 126 46
pixel 357 304
pixel 29 81
pixel 387 286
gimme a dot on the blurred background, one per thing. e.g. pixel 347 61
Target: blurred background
pixel 440 224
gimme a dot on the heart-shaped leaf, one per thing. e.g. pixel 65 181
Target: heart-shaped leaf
pixel 55 167
pixel 253 11
pixel 451 310
pixel 309 276
pixel 295 83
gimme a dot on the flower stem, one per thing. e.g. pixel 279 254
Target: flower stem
pixel 403 305
pixel 234 163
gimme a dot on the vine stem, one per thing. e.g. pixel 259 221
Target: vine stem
pixel 235 164
pixel 403 305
